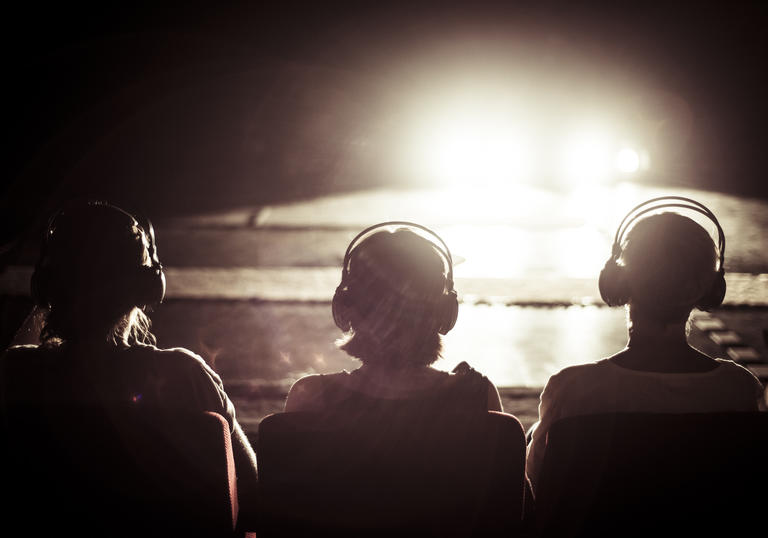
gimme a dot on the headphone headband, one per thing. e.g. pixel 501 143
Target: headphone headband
pixel 142 223
pixel 444 251
pixel 445 311
pixel 677 201
pixel 148 281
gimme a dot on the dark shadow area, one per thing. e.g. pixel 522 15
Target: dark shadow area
pixel 667 474
pixel 391 473
pixel 167 110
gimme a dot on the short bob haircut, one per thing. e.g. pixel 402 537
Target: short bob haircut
pixel 86 259
pixel 396 279
pixel 671 263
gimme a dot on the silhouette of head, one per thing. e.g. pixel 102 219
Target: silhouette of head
pixel 395 299
pixel 670 265
pixel 98 267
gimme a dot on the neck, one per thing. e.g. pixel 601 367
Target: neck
pixel 645 332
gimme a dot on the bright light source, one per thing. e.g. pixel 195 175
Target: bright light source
pixel 472 150
pixel 587 158
pixel 492 138
pixel 628 160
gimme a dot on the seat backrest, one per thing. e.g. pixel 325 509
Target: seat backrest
pixel 120 471
pixel 648 474
pixel 450 476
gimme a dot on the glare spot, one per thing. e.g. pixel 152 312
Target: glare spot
pixel 628 160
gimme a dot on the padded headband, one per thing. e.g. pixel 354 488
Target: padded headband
pixel 446 253
pixel 682 202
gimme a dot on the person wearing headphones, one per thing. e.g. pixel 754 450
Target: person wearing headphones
pixel 663 265
pixel 394 301
pixel 97 274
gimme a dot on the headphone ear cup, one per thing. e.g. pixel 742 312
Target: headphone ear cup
pixel 340 308
pixel 151 279
pixel 715 295
pixel 150 286
pixel 449 311
pixel 613 285
pixel 157 293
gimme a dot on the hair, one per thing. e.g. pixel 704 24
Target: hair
pixel 87 257
pixel 395 282
pixel 670 263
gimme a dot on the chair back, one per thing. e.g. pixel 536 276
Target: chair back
pixel 121 471
pixel 386 476
pixel 639 474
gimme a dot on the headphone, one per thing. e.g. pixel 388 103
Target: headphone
pixel 146 284
pixel 613 285
pixel 447 308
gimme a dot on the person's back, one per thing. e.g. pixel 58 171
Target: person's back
pixel 97 273
pixel 394 301
pixel 408 426
pixel 141 374
pixel 666 266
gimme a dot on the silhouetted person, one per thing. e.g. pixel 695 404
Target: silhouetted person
pixel 97 273
pixel 395 299
pixel 663 266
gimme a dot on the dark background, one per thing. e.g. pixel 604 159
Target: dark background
pixel 174 109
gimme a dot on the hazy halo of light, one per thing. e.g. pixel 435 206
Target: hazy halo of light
pixel 478 140
pixel 586 157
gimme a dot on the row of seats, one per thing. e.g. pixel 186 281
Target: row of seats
pixel 134 472
pixel 604 475
pixel 121 471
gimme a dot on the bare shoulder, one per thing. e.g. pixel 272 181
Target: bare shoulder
pixel 306 394
pixel 308 383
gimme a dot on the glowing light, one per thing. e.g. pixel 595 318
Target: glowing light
pixel 628 160
pixel 474 150
pixel 587 158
